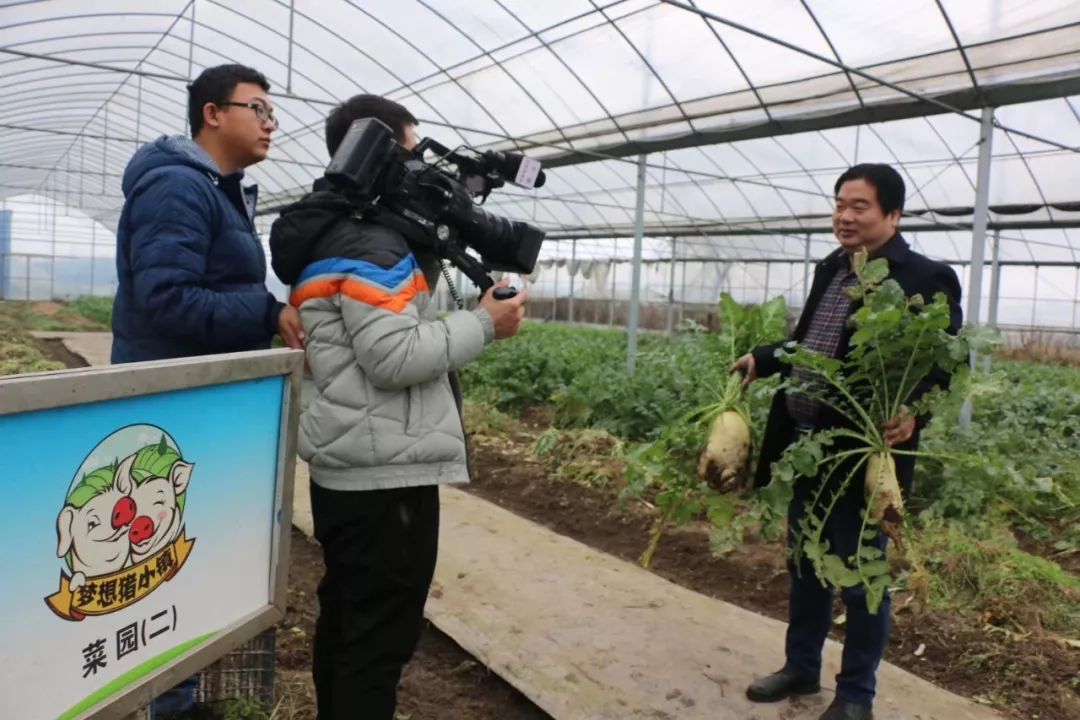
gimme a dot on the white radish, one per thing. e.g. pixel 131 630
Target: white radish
pixel 725 459
pixel 883 494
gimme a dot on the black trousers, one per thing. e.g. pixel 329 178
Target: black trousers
pixel 380 548
pixel 810 601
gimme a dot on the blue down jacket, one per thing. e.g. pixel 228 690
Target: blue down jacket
pixel 191 271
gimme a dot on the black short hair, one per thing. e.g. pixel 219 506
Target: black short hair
pixel 216 85
pixel 395 115
pixel 888 183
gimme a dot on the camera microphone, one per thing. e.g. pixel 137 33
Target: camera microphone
pixel 521 170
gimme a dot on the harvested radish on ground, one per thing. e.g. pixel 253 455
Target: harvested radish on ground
pixel 725 461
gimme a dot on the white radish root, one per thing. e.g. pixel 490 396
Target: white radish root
pixel 887 504
pixel 724 462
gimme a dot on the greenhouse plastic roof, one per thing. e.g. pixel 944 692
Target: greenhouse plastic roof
pixel 748 111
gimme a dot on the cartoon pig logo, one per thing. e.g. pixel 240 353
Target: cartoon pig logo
pixel 121 528
pixel 93 527
pixel 158 479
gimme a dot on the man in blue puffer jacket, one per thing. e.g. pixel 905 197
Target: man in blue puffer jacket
pixel 191 270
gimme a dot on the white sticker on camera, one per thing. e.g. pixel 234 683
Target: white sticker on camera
pixel 527 172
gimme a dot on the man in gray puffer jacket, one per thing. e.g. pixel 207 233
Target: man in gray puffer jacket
pixel 383 427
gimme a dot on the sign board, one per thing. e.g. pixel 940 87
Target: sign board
pixel 147 518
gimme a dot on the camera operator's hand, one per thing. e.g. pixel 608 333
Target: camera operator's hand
pixel 290 328
pixel 505 314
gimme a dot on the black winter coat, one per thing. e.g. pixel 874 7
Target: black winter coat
pixel 916 274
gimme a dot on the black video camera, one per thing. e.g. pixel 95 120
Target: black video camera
pixel 432 204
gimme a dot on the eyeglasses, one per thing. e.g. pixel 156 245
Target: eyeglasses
pixel 262 113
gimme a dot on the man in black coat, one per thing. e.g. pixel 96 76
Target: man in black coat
pixel 869 203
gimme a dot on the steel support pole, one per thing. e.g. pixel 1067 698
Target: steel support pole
pixel 635 281
pixel 980 219
pixel 995 280
pixel 671 287
pixel 978 234
pixel 613 269
pixel 1076 296
pixel 555 286
pixel 288 77
pixel 93 254
pixel 67 183
pixel 190 61
pixel 806 270
pixel 52 261
pixel 682 293
pixel 138 113
pixel 995 289
pixel 573 272
pixel 1034 294
pixel 105 150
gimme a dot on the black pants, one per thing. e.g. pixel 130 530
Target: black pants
pixel 380 548
pixel 810 601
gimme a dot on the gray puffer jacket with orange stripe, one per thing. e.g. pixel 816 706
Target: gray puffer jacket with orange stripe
pixel 382 413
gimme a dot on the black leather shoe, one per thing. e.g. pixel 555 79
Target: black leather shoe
pixel 840 710
pixel 780 685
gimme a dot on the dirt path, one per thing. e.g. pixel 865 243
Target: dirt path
pixel 55 349
pixel 81 348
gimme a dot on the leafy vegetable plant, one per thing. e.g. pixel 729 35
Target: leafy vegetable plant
pixel 687 479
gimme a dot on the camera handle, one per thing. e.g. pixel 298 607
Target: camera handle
pixel 475 271
pixel 499 293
